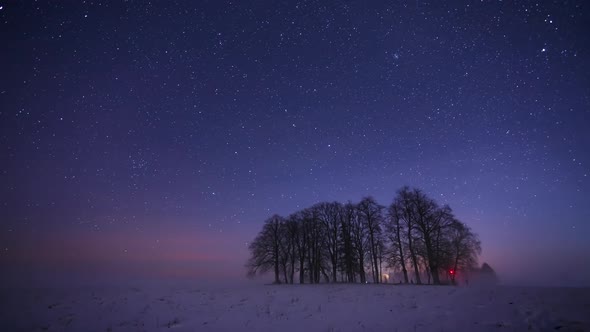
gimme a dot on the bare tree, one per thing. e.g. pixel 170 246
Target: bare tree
pixel 425 223
pixel 465 246
pixel 292 229
pixel 266 248
pixel 301 241
pixel 394 231
pixel 432 223
pixel 332 241
pixel 358 233
pixel 371 215
pixel 424 211
pixel 408 217
pixel 313 243
pixel 261 255
pixel 348 216
pixel 287 249
pixel 329 214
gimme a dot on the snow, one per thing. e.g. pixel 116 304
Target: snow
pixel 255 307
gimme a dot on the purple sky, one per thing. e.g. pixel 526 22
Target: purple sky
pixel 154 139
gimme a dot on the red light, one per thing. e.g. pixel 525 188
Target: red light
pixel 452 272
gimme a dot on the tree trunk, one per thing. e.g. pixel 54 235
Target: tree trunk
pixel 326 276
pixel 292 272
pixel 277 280
pixel 431 261
pixel 302 270
pixel 401 253
pixel 414 259
pixel 334 273
pixel 376 277
pixel 380 268
pixel 285 275
pixel 362 269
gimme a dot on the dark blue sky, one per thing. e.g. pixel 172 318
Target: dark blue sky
pixel 173 121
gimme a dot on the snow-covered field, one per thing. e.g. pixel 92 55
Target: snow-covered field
pixel 341 307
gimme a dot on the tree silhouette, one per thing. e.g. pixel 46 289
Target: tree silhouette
pixel 394 231
pixel 266 248
pixel 337 242
pixel 465 247
pixel 371 216
pixel 329 215
pixel 313 244
pixel 292 234
pixel 408 213
pixel 349 254
pixel 295 223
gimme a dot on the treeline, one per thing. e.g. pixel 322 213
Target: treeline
pixel 353 242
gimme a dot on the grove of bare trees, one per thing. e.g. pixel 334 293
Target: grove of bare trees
pixel 335 242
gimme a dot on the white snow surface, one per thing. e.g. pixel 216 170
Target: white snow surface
pixel 324 307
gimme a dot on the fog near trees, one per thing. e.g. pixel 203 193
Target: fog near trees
pixel 355 242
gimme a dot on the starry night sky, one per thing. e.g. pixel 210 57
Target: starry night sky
pixel 155 138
